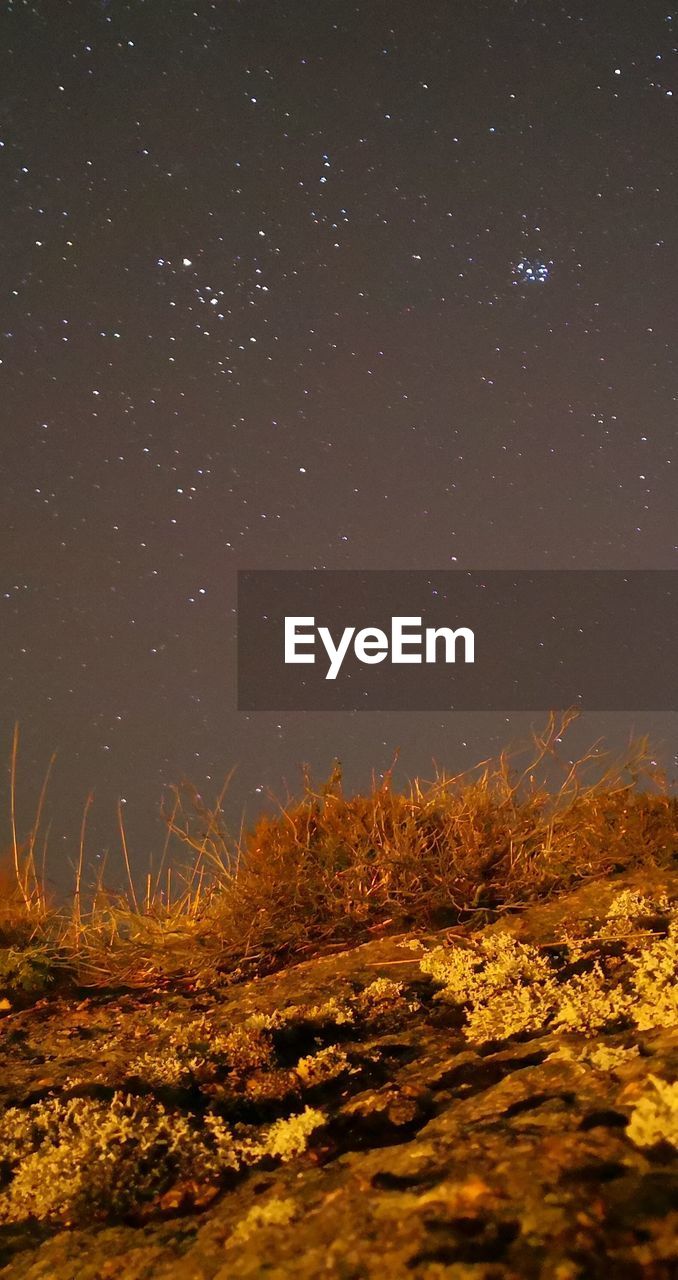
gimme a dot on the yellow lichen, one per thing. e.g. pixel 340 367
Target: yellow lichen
pixel 78 1159
pixel 82 1158
pixel 322 1066
pixel 655 975
pixel 626 908
pixel 275 1213
pixel 655 1117
pixel 508 987
pixel 518 1009
pixel 608 1058
pixel 166 1067
pixel 587 1002
pixel 381 991
pixel 284 1139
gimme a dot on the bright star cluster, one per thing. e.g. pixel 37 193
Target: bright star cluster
pixel 532 271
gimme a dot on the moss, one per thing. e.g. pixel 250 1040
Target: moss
pixel 27 971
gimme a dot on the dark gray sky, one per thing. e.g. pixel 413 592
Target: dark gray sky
pixel 290 285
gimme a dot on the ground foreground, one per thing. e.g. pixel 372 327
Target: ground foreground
pixel 480 1102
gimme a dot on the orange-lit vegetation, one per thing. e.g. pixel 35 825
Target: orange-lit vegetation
pixel 329 869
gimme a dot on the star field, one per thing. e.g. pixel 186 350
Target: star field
pixel 314 285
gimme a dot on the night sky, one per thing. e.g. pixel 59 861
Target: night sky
pixel 387 285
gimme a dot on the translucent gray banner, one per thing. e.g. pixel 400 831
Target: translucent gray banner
pixel 342 640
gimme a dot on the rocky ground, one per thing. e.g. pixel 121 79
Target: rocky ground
pixel 482 1103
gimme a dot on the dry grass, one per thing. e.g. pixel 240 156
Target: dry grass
pixel 329 869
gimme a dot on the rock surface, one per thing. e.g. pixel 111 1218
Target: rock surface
pixel 435 1154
